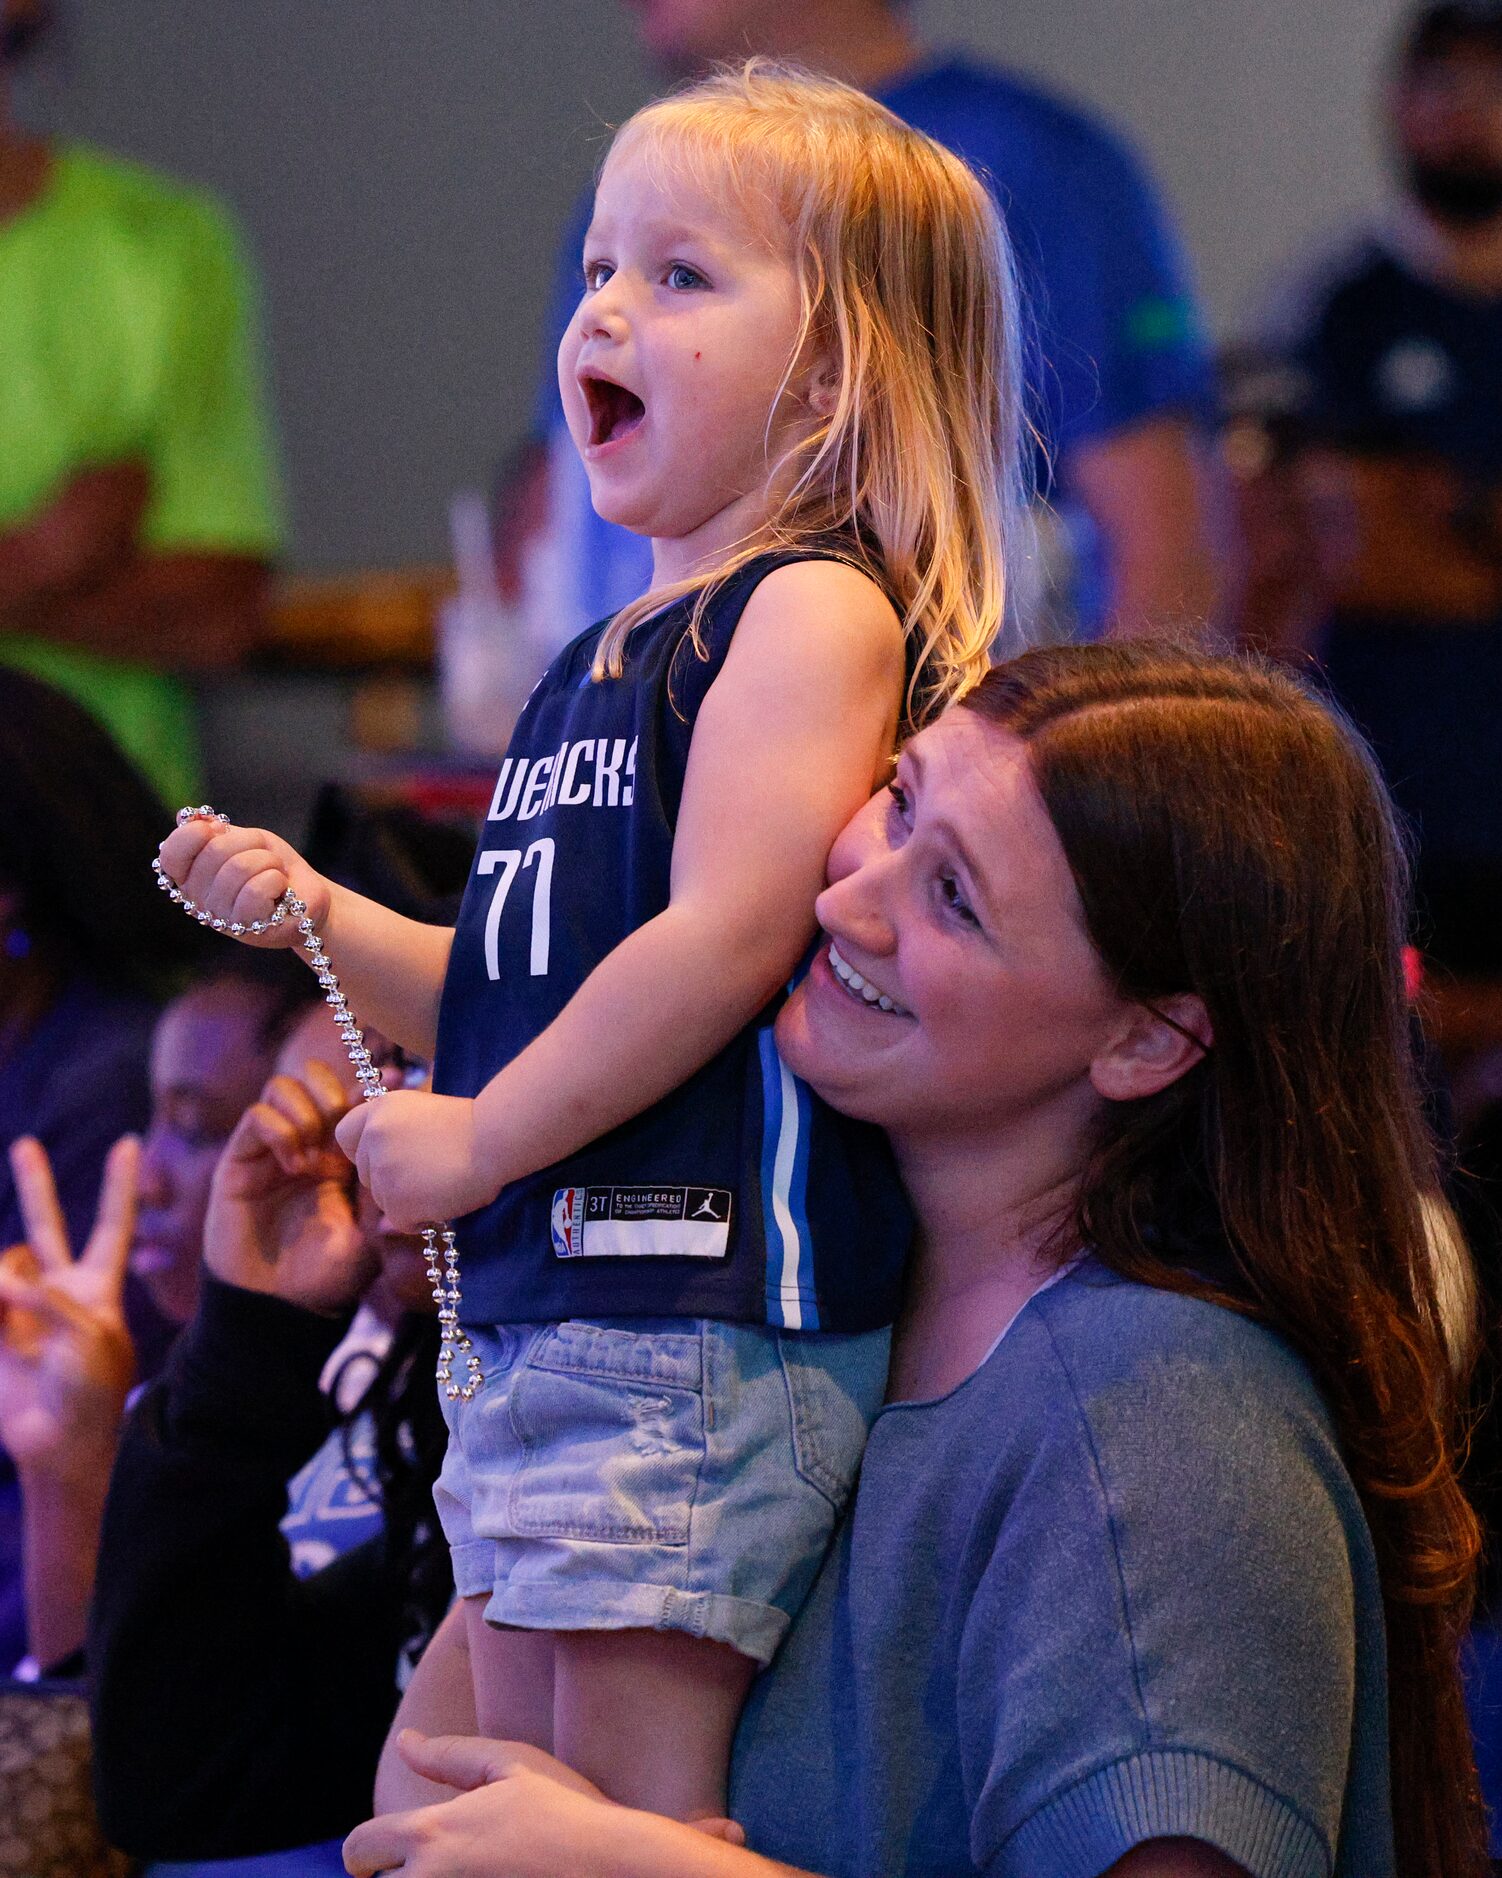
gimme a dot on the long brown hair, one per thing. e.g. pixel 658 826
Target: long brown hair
pixel 1230 837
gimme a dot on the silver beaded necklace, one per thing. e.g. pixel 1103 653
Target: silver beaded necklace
pixel 439 1250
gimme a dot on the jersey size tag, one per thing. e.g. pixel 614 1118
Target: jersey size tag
pixel 641 1222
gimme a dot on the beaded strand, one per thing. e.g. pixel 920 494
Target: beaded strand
pixel 439 1250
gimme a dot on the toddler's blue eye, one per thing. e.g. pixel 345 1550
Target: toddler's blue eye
pixel 681 275
pixel 596 273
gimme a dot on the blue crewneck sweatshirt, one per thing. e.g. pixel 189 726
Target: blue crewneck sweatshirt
pixel 1117 1586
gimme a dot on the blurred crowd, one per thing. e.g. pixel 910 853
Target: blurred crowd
pixel 1328 491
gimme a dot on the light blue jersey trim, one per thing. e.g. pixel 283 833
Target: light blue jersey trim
pixel 787 1124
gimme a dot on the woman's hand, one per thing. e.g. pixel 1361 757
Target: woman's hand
pixel 522 1814
pixel 66 1358
pixel 280 1218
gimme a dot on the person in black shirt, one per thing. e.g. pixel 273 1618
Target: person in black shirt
pixel 1396 349
pixel 239 1707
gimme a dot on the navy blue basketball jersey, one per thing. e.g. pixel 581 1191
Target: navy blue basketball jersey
pixel 740 1196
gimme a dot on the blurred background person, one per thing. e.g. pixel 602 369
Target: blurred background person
pixel 1119 379
pixel 65 1370
pixel 88 947
pixel 137 507
pixel 340 1453
pixel 1394 345
pixel 88 951
pixel 213 1049
pixel 271 1564
pixel 275 1483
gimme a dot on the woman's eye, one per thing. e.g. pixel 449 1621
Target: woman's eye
pixel 954 899
pixel 682 276
pixel 596 273
pixel 899 799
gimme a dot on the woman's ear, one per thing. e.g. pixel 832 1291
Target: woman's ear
pixel 1153 1048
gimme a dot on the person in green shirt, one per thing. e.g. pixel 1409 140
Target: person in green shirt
pixel 138 511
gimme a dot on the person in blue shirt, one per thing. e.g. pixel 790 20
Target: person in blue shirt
pixel 1157 1564
pixel 1119 378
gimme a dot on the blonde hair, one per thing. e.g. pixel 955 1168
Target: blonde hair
pixel 907 285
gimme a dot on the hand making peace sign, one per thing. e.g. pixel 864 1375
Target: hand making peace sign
pixel 66 1357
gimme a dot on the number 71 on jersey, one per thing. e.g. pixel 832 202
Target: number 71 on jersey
pixel 509 862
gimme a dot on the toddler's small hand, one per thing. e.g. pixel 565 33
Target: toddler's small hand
pixel 239 874
pixel 419 1156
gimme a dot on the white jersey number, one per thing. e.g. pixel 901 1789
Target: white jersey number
pixel 509 861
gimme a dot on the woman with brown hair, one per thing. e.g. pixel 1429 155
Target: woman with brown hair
pixel 1158 1564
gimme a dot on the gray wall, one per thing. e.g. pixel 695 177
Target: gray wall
pixel 402 170
pixel 1259 116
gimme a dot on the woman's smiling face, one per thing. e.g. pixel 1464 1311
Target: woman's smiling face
pixel 958 993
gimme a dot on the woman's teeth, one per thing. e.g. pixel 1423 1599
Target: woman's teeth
pixel 851 979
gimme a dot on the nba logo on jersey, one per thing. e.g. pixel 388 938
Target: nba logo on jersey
pixel 641 1222
pixel 568 1222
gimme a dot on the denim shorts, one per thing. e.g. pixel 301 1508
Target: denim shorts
pixel 637 1473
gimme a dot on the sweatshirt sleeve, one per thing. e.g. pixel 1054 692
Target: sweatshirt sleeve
pixel 237 1709
pixel 1161 1644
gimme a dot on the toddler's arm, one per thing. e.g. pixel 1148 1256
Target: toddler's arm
pixel 391 968
pixel 789 742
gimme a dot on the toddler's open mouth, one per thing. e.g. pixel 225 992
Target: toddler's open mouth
pixel 614 412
